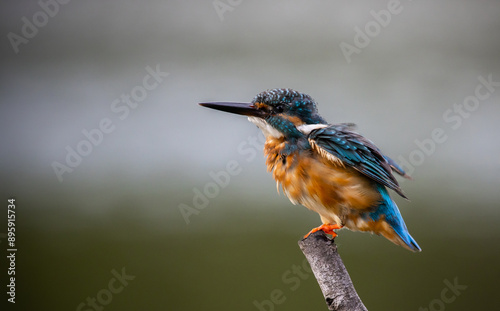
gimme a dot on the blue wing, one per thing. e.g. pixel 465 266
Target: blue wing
pixel 358 152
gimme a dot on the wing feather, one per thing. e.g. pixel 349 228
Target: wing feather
pixel 342 146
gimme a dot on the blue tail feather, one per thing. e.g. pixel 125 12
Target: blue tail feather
pixel 390 211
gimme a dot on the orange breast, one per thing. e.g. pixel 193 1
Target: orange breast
pixel 334 191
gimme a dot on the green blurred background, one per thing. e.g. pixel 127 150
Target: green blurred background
pixel 120 207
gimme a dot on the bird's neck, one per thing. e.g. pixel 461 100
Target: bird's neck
pixel 274 150
pixel 277 148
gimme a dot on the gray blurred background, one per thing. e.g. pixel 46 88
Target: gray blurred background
pixel 120 206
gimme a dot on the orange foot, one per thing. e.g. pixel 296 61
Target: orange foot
pixel 326 228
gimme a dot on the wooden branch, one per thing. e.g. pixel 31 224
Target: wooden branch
pixel 330 272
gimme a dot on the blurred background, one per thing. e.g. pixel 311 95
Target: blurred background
pixel 132 197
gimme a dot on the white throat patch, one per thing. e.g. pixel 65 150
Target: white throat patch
pixel 267 129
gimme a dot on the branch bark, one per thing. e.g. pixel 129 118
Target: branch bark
pixel 330 272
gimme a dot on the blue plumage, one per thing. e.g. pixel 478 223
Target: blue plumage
pixel 330 169
pixel 389 210
pixel 291 102
pixel 358 152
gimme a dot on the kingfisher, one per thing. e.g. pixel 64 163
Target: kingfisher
pixel 328 168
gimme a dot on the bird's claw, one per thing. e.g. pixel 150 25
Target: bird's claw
pixel 326 228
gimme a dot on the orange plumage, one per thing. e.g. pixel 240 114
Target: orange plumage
pixel 328 168
pixel 339 194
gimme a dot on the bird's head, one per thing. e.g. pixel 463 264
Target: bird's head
pixel 277 112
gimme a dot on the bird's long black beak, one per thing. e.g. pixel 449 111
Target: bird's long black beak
pixel 245 109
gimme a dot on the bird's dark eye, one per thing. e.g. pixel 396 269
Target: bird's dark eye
pixel 278 109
